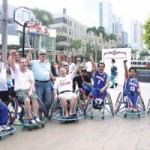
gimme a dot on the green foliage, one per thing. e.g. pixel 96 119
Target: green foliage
pixel 97 31
pixel 112 37
pixel 43 16
pixel 76 44
pixel 146 34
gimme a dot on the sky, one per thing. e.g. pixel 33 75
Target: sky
pixel 87 11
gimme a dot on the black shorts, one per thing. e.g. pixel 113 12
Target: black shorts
pixel 4 96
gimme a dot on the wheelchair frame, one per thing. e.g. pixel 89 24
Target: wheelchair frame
pixel 56 111
pixel 100 113
pixel 119 109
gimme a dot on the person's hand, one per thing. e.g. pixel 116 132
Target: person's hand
pixel 138 91
pixel 124 61
pixel 30 93
pixel 55 97
pixel 102 90
pixel 31 50
pixel 12 51
pixel 79 61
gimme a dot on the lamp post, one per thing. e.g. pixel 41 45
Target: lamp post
pixel 4 31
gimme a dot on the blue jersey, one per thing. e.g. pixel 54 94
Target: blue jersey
pixel 99 79
pixel 131 85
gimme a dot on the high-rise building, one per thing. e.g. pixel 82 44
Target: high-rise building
pixel 124 38
pixel 105 16
pixel 117 28
pixel 136 31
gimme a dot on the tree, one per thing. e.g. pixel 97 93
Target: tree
pixel 112 37
pixel 97 32
pixel 76 44
pixel 143 54
pixel 146 34
pixel 43 16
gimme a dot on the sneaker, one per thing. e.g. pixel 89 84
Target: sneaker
pixel 37 119
pixel 111 87
pixel 5 128
pixel 32 121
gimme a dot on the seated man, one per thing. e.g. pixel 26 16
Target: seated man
pixel 100 79
pixel 25 89
pixel 63 87
pixel 131 87
pixel 84 84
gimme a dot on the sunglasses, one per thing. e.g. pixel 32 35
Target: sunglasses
pixel 42 54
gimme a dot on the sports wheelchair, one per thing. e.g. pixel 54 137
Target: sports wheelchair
pixel 57 112
pixel 99 108
pixel 18 113
pixel 122 106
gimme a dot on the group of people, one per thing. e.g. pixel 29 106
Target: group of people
pixel 29 85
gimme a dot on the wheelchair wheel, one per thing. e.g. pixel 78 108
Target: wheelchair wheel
pixel 148 107
pixel 141 105
pixel 42 109
pixel 118 102
pixel 52 109
pixel 80 106
pixel 110 104
pixel 12 110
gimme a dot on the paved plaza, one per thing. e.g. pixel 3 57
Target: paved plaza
pixel 114 133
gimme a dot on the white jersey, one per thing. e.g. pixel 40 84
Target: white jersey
pixel 3 77
pixel 64 83
pixel 22 79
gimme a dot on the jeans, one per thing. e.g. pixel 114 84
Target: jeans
pixel 43 90
pixel 3 113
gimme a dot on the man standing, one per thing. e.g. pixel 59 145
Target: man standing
pixel 42 73
pixel 113 73
pixel 89 67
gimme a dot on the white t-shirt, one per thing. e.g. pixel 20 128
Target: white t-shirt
pixel 22 79
pixel 3 77
pixel 64 83
pixel 88 66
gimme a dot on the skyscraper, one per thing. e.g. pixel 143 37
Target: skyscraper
pixel 105 16
pixel 136 31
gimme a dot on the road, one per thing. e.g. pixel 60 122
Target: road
pixel 114 133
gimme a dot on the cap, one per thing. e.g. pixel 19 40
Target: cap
pixel 82 68
pixel 42 51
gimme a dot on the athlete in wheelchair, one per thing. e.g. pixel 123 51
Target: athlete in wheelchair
pixel 64 96
pixel 131 99
pixel 25 90
pixel 99 97
pixel 84 85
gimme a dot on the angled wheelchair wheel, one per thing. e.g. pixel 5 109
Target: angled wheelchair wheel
pixel 110 104
pixel 148 107
pixel 52 109
pixel 12 110
pixel 141 105
pixel 118 103
pixel 42 109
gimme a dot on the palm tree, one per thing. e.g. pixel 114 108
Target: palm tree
pixel 97 32
pixel 43 16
